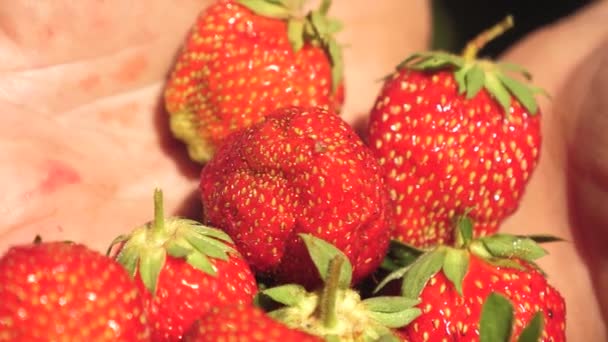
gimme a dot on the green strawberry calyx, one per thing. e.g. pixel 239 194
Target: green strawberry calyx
pixel 497 318
pixel 502 250
pixel 315 28
pixel 472 74
pixel 146 248
pixel 336 312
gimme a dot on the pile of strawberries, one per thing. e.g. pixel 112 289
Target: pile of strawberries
pixel 309 232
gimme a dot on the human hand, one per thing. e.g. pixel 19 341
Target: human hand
pixel 85 138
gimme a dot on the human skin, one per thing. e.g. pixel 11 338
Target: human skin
pixel 85 141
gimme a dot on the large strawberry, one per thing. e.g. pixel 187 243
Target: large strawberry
pixel 183 269
pixel 243 323
pixel 244 58
pixel 454 134
pixel 63 291
pixel 335 311
pixel 302 170
pixel 452 283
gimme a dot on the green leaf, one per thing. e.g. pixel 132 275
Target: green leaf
pixel 205 231
pixel 521 92
pixel 533 331
pixel 201 262
pixel 337 64
pixel 455 266
pixel 542 238
pixel 502 262
pixel 459 76
pixel 395 320
pixel 389 303
pixel 400 254
pixel 499 92
pixel 515 68
pixel 177 250
pixel 474 79
pixel 289 295
pixel 397 274
pixel 128 258
pixel 465 229
pixel 295 34
pixel 151 262
pixel 496 322
pixel 509 246
pixel 325 5
pixel 265 8
pixel 322 252
pixel 421 271
pixel 209 246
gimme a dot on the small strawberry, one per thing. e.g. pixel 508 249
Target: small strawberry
pixel 244 58
pixel 243 323
pixel 183 269
pixel 335 311
pixel 452 283
pixel 454 133
pixel 62 291
pixel 302 170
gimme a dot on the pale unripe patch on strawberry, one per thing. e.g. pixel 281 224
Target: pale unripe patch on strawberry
pixel 240 62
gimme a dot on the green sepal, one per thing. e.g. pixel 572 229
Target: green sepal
pixel 474 79
pixel 499 91
pixel 399 255
pixel 295 33
pixel 419 273
pixel 455 266
pixel 129 259
pixel 392 312
pixel 511 67
pixel 510 246
pixel 151 262
pixel 533 331
pixel 201 262
pixel 208 246
pixel 322 252
pixel 473 75
pixel 267 8
pixel 497 318
pixel 289 295
pixel 504 262
pixel 523 94
pixel 146 248
pixel 496 322
pixel 464 230
pixel 542 238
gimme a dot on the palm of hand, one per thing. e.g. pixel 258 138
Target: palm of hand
pixel 85 138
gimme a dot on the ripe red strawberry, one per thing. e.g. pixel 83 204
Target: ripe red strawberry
pixel 183 269
pixel 62 291
pixel 452 283
pixel 241 60
pixel 302 170
pixel 454 134
pixel 243 323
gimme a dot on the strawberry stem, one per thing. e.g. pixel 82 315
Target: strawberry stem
pixel 472 48
pixel 330 293
pixel 159 214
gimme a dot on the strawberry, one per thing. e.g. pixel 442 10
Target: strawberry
pixel 62 291
pixel 182 269
pixel 334 311
pixel 302 170
pixel 243 323
pixel 452 283
pixel 454 134
pixel 244 58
